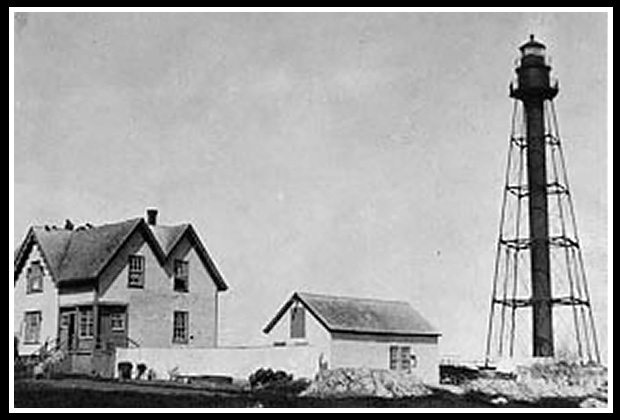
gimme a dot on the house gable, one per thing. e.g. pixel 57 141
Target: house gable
pixel 113 278
pixel 285 310
pixel 189 236
pixel 40 302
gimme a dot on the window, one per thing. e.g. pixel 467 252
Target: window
pixel 393 358
pixel 117 322
pixel 35 278
pixel 298 322
pixel 401 358
pixel 181 276
pixel 87 323
pixel 33 327
pixel 136 271
pixel 180 327
pixel 405 359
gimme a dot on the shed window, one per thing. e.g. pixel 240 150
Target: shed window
pixel 33 327
pixel 405 359
pixel 180 327
pixel 181 276
pixel 401 358
pixel 136 271
pixel 298 322
pixel 35 278
pixel 393 358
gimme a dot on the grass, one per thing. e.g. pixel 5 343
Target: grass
pixel 80 393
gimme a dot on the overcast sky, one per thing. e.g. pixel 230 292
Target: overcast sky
pixel 352 154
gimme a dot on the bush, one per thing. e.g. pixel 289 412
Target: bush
pixel 277 381
pixel 141 367
pixel 263 377
pixel 124 370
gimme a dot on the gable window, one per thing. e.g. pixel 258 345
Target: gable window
pixel 180 329
pixel 33 327
pixel 35 278
pixel 87 323
pixel 136 271
pixel 298 322
pixel 401 358
pixel 117 322
pixel 181 276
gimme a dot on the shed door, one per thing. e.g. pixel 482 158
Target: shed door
pixel 298 321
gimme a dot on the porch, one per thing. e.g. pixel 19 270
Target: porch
pixel 88 335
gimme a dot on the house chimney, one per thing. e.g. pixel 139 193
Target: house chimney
pixel 151 216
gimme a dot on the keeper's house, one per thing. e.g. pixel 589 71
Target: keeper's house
pixel 352 332
pixel 85 291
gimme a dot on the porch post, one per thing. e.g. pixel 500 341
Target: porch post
pixel 97 343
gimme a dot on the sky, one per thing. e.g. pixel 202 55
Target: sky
pixel 356 154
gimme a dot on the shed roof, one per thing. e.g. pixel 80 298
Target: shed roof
pixel 356 315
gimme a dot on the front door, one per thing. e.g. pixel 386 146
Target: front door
pixel 113 327
pixel 67 336
pixel 67 339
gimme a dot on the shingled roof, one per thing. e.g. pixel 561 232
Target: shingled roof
pixel 82 254
pixel 355 315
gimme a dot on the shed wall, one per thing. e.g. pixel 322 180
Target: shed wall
pixel 373 351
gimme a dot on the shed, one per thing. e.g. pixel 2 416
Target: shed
pixel 359 332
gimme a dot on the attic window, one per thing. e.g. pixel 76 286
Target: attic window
pixel 136 271
pixel 35 278
pixel 181 276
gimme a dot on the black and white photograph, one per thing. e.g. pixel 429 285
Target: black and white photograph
pixel 312 209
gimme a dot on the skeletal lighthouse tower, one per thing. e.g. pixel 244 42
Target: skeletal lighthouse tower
pixel 540 304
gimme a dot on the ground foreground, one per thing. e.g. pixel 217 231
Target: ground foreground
pixel 97 394
pixel 540 384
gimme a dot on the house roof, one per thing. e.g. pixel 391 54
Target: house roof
pixel 82 254
pixel 355 315
pixel 168 236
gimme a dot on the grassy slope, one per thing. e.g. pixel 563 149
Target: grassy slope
pixel 84 393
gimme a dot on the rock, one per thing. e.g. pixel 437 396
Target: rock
pixel 365 382
pixel 592 403
pixel 39 370
pixel 499 401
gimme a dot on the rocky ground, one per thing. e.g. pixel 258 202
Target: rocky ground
pixel 346 382
pixel 577 385
pixel 586 384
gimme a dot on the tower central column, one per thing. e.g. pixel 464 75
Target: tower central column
pixel 542 313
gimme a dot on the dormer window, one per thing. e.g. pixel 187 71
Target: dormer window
pixel 181 276
pixel 35 278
